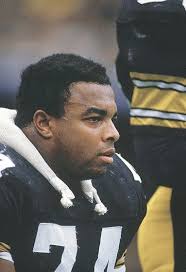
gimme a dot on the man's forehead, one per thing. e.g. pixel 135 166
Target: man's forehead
pixel 91 108
pixel 88 93
pixel 91 97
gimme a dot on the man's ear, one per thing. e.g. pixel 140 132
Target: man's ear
pixel 42 122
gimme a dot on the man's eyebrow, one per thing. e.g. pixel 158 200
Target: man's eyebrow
pixel 95 110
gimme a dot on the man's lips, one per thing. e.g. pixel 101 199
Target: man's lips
pixel 107 155
pixel 109 152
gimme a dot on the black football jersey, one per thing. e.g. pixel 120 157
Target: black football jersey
pixel 151 64
pixel 45 237
pixel 152 30
pixel 151 38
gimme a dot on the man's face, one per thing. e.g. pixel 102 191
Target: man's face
pixel 84 136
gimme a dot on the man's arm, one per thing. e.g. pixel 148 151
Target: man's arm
pixel 6 266
pixel 8 224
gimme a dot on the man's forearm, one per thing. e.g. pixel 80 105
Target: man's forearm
pixel 6 266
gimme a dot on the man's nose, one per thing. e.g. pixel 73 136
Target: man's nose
pixel 110 132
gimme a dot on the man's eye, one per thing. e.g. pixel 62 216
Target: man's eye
pixel 94 119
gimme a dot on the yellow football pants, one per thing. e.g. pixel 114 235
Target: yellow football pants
pixel 155 236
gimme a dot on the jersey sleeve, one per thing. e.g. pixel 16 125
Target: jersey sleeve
pixel 8 216
pixel 150 31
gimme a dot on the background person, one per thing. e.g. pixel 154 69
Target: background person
pixel 151 67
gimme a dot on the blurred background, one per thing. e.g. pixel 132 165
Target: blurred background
pixel 31 29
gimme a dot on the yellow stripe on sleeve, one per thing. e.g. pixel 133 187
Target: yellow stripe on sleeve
pixel 138 121
pixel 4 247
pixel 153 98
pixel 165 78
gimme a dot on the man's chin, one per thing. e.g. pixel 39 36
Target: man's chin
pixel 89 173
pixel 95 173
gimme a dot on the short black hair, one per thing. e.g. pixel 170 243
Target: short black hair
pixel 45 84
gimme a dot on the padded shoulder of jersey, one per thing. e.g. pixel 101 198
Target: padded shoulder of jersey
pixel 119 188
pixel 14 167
pixel 11 163
pixel 122 185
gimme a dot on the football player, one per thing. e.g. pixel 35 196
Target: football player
pixel 67 201
pixel 151 67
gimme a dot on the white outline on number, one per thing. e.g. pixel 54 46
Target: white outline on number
pixel 52 234
pixel 108 249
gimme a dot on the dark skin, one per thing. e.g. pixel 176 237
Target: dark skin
pixel 80 144
pixel 6 266
pixel 72 144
